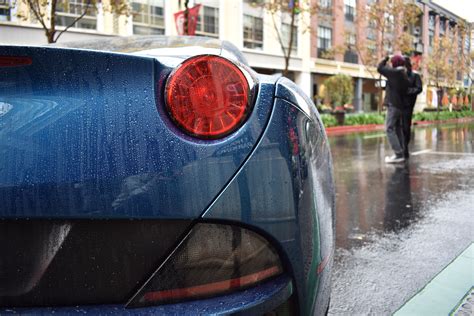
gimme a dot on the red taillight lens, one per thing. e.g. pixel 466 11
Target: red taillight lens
pixel 208 96
pixel 14 61
pixel 213 260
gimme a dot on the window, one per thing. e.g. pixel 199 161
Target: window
pixel 467 44
pixel 371 34
pixel 253 32
pixel 349 9
pixel 350 56
pixel 460 47
pixel 442 26
pixel 450 31
pixel 324 41
pixel 387 46
pixel 351 40
pixel 69 11
pixel 285 37
pixel 148 17
pixel 372 24
pixel 371 47
pixel 431 22
pixel 389 22
pixel 4 10
pixel 431 28
pixel 326 6
pixel 208 22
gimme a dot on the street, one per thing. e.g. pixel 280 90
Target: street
pixel 399 225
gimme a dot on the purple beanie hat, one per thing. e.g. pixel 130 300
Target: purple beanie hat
pixel 397 61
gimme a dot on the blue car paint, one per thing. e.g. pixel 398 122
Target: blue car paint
pixel 85 139
pixel 108 124
pixel 253 301
pixel 286 189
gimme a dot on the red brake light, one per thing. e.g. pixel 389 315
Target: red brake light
pixel 214 259
pixel 14 61
pixel 208 96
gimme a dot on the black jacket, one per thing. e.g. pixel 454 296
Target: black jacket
pixel 397 84
pixel 414 89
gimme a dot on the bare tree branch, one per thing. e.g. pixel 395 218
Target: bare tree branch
pixel 75 20
pixel 277 30
pixel 34 6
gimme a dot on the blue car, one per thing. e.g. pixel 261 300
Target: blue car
pixel 159 175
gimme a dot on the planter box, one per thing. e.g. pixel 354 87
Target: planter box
pixel 340 116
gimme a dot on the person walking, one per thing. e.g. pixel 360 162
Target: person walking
pixel 415 87
pixel 396 89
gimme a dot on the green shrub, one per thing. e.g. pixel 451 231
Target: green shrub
pixel 364 119
pixel 374 118
pixel 339 89
pixel 441 116
pixel 328 120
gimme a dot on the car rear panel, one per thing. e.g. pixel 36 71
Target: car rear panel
pixel 84 134
pixel 97 185
pixel 286 189
pixel 78 262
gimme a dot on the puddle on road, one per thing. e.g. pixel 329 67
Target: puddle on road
pixel 463 164
pixel 373 198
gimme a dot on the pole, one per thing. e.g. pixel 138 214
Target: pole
pixel 186 17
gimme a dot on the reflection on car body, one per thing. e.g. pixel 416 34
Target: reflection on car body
pixel 138 180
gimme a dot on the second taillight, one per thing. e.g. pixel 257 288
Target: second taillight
pixel 208 96
pixel 213 260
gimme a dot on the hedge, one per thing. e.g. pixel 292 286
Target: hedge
pixel 374 118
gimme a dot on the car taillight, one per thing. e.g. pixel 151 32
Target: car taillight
pixel 14 61
pixel 208 96
pixel 214 259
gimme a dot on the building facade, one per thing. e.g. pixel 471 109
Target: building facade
pixel 322 28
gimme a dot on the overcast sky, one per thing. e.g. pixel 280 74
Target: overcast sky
pixel 463 8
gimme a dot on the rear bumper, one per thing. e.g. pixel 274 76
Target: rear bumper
pixel 254 301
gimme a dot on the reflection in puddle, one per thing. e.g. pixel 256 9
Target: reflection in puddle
pixel 374 199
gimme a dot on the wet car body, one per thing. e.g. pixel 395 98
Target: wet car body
pixel 102 195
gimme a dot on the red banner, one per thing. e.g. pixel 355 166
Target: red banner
pixel 180 18
pixel 416 61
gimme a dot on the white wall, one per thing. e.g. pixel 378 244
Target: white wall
pixel 30 35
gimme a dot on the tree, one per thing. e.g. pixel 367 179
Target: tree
pixel 282 11
pixel 438 63
pixel 389 23
pixel 339 89
pixel 448 59
pixel 46 12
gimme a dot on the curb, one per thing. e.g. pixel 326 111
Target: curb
pixel 338 130
pixel 347 129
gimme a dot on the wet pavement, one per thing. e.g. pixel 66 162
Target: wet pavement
pixel 399 225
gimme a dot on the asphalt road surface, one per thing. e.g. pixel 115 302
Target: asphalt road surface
pixel 399 225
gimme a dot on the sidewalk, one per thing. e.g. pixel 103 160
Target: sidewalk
pixel 449 293
pixel 347 129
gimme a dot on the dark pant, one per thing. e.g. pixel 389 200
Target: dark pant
pixel 393 125
pixel 406 127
